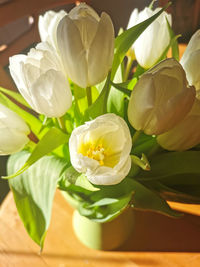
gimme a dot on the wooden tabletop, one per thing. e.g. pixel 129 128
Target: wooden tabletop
pixel 157 240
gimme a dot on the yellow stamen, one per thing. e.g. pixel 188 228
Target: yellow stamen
pixel 96 153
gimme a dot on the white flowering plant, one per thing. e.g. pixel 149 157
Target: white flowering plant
pixel 117 124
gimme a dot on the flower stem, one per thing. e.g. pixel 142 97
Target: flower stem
pixel 31 145
pixel 89 96
pixel 135 137
pixel 61 122
pixel 151 4
pixel 128 68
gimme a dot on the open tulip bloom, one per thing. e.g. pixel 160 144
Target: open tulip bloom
pixel 109 136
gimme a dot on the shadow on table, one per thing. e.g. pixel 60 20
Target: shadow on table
pixel 156 232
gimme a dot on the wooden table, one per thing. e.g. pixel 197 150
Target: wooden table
pixel 156 241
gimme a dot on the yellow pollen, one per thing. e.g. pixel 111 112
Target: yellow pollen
pixel 96 153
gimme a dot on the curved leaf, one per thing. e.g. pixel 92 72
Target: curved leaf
pixel 171 164
pixel 34 192
pixel 50 141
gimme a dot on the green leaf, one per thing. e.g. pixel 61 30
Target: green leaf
pixel 171 164
pixel 173 43
pixel 116 97
pixel 125 40
pixel 146 199
pixel 31 120
pixel 15 96
pixel 121 88
pixel 34 192
pixel 50 141
pixel 139 71
pixel 99 107
pixel 177 194
pixel 144 145
pixel 105 209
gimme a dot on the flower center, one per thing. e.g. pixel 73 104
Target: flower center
pixel 97 153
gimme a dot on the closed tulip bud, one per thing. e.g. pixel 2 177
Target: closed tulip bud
pixel 13 131
pixel 40 79
pixel 161 98
pixel 190 61
pixel 151 44
pixel 184 135
pixel 101 149
pixel 47 25
pixel 86 45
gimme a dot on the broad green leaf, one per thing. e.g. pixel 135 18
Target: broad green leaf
pixel 146 199
pixel 105 209
pixel 176 194
pixel 31 120
pixel 184 179
pixel 79 179
pixel 50 141
pixel 34 192
pixel 116 98
pixel 171 164
pixel 19 98
pixel 125 40
pixel 103 202
pixel 145 146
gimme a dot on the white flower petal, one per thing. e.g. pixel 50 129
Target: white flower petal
pixel 101 149
pixel 153 41
pixel 86 45
pixel 100 54
pixel 72 51
pixel 51 94
pixel 41 80
pixel 13 131
pixel 160 99
pixel 184 135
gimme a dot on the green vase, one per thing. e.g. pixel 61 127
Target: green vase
pixel 101 236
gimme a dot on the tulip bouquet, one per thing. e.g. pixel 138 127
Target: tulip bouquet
pixel 117 124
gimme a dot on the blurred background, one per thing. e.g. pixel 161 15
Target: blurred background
pixel 18 30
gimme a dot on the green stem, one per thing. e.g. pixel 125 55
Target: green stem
pixel 89 96
pixel 135 137
pixel 31 145
pixel 108 86
pixel 61 122
pixel 128 68
pixel 151 4
pixel 142 163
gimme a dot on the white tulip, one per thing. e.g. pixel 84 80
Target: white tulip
pixel 101 148
pixel 184 135
pixel 40 79
pixel 86 45
pixel 190 61
pixel 13 131
pixel 154 40
pixel 47 25
pixel 161 98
